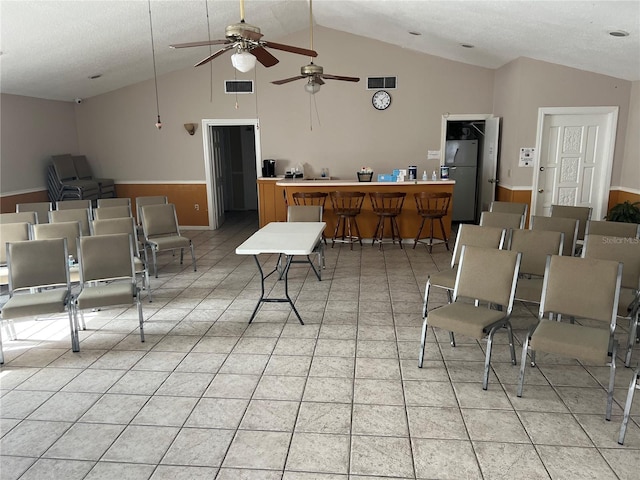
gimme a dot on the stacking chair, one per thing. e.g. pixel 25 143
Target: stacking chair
pixel 80 215
pixel 127 225
pixel 568 226
pixel 114 202
pixel 584 288
pixel 535 246
pixel 432 206
pixel 10 232
pixel 468 234
pixel 387 206
pixel 306 213
pixel 67 230
pixel 63 181
pixel 19 217
pixel 161 232
pixel 310 198
pixel 633 386
pixel 42 210
pixel 509 207
pixel 118 211
pixel 149 200
pixel 83 170
pixel 73 204
pixel 487 277
pixel 509 221
pixel 107 275
pixel 346 206
pixel 582 214
pixel 39 282
pixel 613 229
pixel 626 251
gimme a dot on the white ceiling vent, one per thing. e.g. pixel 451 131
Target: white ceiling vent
pixel 375 83
pixel 238 86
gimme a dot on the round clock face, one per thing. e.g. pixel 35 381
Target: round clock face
pixel 381 100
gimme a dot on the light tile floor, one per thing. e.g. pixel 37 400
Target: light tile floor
pixel 209 396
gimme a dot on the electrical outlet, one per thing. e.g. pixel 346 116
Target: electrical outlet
pixel 197 207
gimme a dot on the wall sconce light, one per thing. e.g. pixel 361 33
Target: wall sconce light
pixel 191 128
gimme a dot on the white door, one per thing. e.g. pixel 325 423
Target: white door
pixel 216 176
pixel 489 162
pixel 573 165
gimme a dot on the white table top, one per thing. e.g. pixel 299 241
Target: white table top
pixel 289 238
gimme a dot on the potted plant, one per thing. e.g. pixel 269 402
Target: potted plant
pixel 626 212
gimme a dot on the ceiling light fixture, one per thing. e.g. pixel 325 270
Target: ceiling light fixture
pixel 312 87
pixel 243 61
pixel 619 33
pixel 155 74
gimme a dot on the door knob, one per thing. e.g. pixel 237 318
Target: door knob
pixel 540 190
pixel 542 169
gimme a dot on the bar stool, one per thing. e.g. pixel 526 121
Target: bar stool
pixel 311 198
pixel 432 206
pixel 346 206
pixel 387 206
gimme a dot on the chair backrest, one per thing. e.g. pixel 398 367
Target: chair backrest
pixel 111 226
pixel 114 202
pixel 477 236
pixel 80 215
pixel 309 198
pixel 149 200
pixel 613 229
pixel 509 207
pixel 19 217
pixel 433 204
pixel 535 246
pixel 83 170
pixel 582 214
pixel 568 226
pixel 68 230
pixel 488 275
pixel 42 210
pixel 11 232
pixel 73 204
pixel 159 220
pixel 581 287
pixel 118 211
pixel 502 220
pixel 620 249
pixel 304 213
pixel 105 257
pixel 387 202
pixel 347 202
pixel 64 167
pixel 37 263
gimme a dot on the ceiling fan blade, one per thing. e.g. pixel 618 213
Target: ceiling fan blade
pixel 213 55
pixel 287 80
pixel 340 77
pixel 199 44
pixel 264 57
pixel 317 79
pixel 291 49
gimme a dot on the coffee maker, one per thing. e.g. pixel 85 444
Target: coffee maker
pixel 269 168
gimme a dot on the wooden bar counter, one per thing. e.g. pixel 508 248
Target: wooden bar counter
pixel 272 206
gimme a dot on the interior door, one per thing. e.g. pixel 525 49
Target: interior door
pixel 489 162
pixel 217 138
pixel 572 166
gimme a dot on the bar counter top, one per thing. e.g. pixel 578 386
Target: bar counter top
pixel 296 182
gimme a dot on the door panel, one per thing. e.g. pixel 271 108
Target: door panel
pixel 489 162
pixel 217 176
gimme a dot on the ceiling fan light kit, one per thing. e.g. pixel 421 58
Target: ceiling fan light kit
pixel 312 87
pixel 243 61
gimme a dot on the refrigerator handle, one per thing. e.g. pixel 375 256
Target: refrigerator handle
pixel 455 155
pixel 452 168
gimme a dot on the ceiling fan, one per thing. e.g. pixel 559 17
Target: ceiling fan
pixel 247 41
pixel 314 73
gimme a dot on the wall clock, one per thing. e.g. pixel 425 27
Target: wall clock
pixel 381 100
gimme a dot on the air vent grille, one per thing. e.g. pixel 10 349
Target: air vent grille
pixel 238 86
pixel 375 83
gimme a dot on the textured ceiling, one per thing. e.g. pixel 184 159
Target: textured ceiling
pixel 51 47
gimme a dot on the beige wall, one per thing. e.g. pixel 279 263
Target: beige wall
pixel 630 169
pixel 524 85
pixel 31 130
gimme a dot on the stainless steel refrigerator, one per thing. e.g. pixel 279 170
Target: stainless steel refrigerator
pixel 461 156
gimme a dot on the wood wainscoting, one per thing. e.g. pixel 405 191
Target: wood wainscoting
pixel 8 203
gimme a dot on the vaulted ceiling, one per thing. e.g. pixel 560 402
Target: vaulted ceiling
pixel 51 48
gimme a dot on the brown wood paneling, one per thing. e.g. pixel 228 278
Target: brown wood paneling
pixel 8 203
pixel 619 196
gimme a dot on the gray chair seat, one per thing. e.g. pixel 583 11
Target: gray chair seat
pixel 167 243
pixel 571 340
pixel 464 319
pixel 32 304
pixel 104 295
